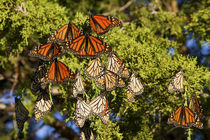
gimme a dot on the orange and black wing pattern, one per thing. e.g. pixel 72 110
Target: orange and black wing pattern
pixel 195 106
pixel 66 33
pixel 182 117
pixel 88 46
pixel 47 52
pixel 101 24
pixel 59 72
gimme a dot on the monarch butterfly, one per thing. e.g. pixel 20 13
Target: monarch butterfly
pixel 130 96
pixel 21 114
pixel 176 83
pixel 108 80
pixel 39 76
pixel 82 112
pixel 117 66
pixel 47 52
pixel 87 133
pixel 100 107
pixel 195 106
pixel 101 24
pixel 184 117
pixel 59 72
pixel 43 105
pixel 66 33
pixel 94 69
pixel 105 116
pixel 78 87
pixel 88 46
pixel 134 87
pixel 121 83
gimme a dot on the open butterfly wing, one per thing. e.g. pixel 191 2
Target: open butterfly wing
pixel 182 117
pixel 43 105
pixel 94 69
pixel 101 24
pixel 59 72
pixel 88 46
pixel 135 86
pixel 21 113
pixel 66 33
pixel 78 87
pixel 47 52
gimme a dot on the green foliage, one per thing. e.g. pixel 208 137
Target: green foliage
pixel 200 24
pixel 142 45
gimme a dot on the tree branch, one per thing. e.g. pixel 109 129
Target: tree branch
pixel 120 9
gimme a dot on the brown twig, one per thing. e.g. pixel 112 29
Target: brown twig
pixel 120 9
pixel 15 81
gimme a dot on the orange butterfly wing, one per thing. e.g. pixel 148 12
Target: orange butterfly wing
pixel 47 51
pixel 199 111
pixel 66 33
pixel 183 117
pixel 102 24
pixel 59 72
pixel 88 46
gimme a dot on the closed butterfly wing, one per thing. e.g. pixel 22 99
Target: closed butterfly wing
pixel 94 69
pixel 105 117
pixel 78 87
pixel 182 117
pixel 88 46
pixel 121 83
pixel 177 83
pixel 108 80
pixel 21 114
pixel 39 77
pixel 195 106
pixel 134 86
pixel 101 24
pixel 87 132
pixel 117 66
pixel 198 123
pixel 43 105
pixel 82 112
pixel 59 72
pixel 99 105
pixel 130 96
pixel 47 52
pixel 65 34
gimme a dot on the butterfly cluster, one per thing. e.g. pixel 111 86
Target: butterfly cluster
pixel 69 38
pixel 185 116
